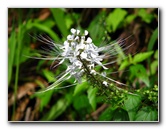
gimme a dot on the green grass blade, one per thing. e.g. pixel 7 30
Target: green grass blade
pixel 58 15
pixel 47 30
pixel 18 52
pixel 153 39
pixel 11 54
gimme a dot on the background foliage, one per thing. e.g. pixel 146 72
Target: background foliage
pixel 138 66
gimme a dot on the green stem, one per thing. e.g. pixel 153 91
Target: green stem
pixel 89 73
pixel 17 69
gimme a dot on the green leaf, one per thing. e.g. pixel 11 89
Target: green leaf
pixel 97 30
pixel 141 57
pixel 115 18
pixel 131 104
pixel 44 98
pixel 156 54
pixel 92 96
pixel 45 29
pixel 25 51
pixel 80 102
pixel 145 16
pixel 130 18
pixel 147 114
pixel 49 23
pixel 153 39
pixel 107 114
pixel 120 115
pixel 132 115
pixel 58 108
pixel 60 20
pixel 11 54
pixel 80 88
pixel 140 72
pixel 124 64
pixel 69 21
pixel 49 75
pixel 154 66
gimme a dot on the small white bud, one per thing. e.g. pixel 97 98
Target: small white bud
pixel 89 40
pixel 76 38
pixel 78 32
pixel 83 55
pixel 69 37
pixel 73 31
pixel 86 32
pixel 93 72
pixel 105 83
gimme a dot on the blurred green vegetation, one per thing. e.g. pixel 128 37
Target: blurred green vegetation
pixel 82 102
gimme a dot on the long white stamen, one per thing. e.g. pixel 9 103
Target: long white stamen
pixel 112 80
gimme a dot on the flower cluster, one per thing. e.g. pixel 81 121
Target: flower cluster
pixel 82 55
pixel 78 49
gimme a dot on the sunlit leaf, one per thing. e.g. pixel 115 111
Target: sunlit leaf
pixel 124 64
pixel 49 23
pixel 115 18
pixel 130 18
pixel 141 57
pixel 156 54
pixel 69 21
pixel 49 75
pixel 147 17
pixel 154 66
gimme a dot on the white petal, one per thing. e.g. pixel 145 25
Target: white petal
pixel 86 32
pixel 89 40
pixel 105 83
pixel 93 55
pixel 78 32
pixel 73 31
pixel 66 43
pixel 83 55
pixel 69 37
pixel 78 63
pixel 91 66
pixel 76 38
pixel 93 72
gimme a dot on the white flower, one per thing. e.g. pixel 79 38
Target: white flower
pixel 76 48
pixel 89 40
pixel 93 72
pixel 86 32
pixel 105 83
pixel 82 57
pixel 73 31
